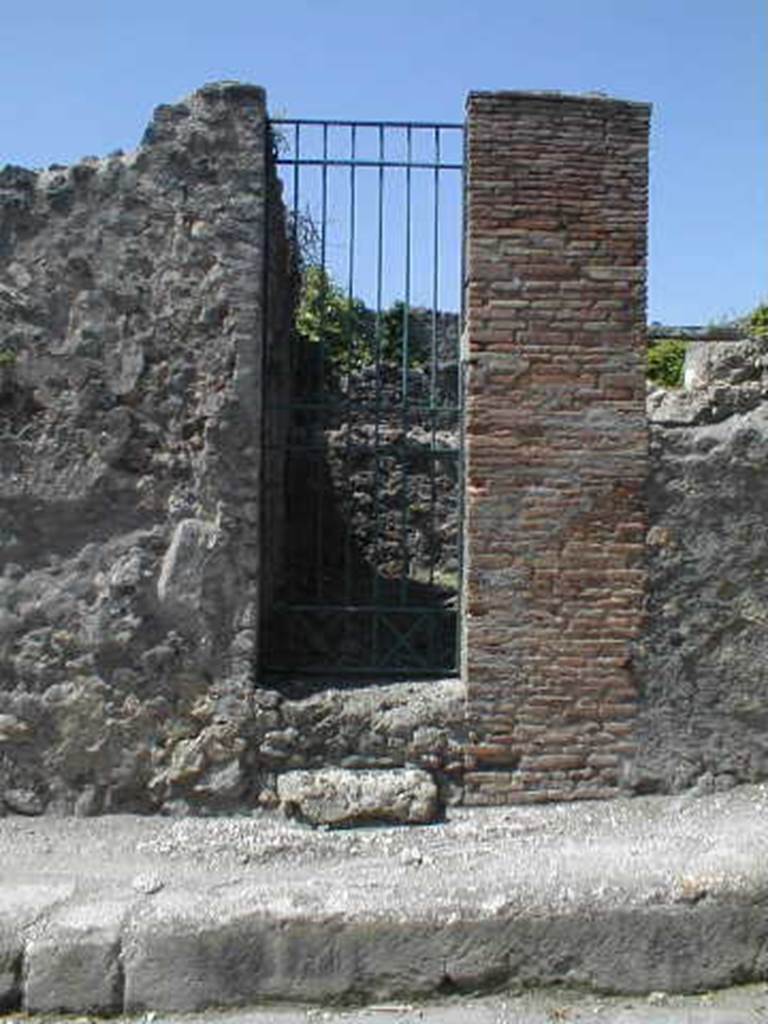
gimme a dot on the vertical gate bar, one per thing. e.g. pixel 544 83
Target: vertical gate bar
pixel 435 270
pixel 463 265
pixel 462 431
pixel 323 244
pixel 297 156
pixel 324 216
pixel 351 248
pixel 266 413
pixel 407 296
pixel 350 364
pixel 405 366
pixel 319 546
pixel 433 356
pixel 376 436
pixel 296 458
pixel 379 255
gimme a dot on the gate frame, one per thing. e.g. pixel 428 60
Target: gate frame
pixel 294 163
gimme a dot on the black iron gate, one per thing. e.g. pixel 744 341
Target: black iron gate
pixel 372 523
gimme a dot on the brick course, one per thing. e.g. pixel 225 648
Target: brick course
pixel 556 441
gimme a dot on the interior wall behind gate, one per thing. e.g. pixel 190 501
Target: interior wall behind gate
pixel 556 441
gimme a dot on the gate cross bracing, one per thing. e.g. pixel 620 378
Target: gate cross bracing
pixel 373 511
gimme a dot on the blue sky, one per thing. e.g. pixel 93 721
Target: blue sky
pixel 82 77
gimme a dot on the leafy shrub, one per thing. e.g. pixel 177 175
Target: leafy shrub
pixel 665 362
pixel 352 335
pixel 757 321
pixel 327 316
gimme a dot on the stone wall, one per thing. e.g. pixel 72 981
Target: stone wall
pixel 556 441
pixel 132 326
pixel 145 305
pixel 379 727
pixel 145 315
pixel 702 664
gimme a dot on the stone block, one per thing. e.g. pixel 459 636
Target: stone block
pixel 340 797
pixel 74 964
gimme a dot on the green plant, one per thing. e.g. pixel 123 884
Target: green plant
pixel 328 317
pixel 353 335
pixel 666 358
pixel 757 321
pixel 7 357
pixel 399 326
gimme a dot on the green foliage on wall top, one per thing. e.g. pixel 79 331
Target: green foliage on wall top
pixel 757 322
pixel 666 358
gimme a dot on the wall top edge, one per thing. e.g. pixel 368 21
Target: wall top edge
pixel 232 89
pixel 551 96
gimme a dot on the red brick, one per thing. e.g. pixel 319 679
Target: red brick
pixel 556 211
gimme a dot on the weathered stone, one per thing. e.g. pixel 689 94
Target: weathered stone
pixel 130 460
pixel 12 729
pixel 10 973
pixel 703 713
pixel 182 572
pixel 74 963
pixel 339 797
pixel 417 724
pixel 718 363
pixel 23 801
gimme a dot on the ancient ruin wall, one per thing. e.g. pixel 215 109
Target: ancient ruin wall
pixel 131 330
pixel 556 441
pixel 144 302
pixel 702 660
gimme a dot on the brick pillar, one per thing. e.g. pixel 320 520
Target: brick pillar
pixel 556 441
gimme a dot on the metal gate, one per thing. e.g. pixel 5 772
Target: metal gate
pixel 370 583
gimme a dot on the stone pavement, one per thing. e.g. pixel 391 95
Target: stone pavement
pixel 130 914
pixel 746 1004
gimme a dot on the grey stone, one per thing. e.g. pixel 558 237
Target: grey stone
pixel 87 803
pixel 400 724
pixel 23 903
pixel 717 363
pixel 12 729
pixel 703 693
pixel 130 456
pixel 11 954
pixel 182 571
pixel 148 885
pixel 23 801
pixel 341 797
pixel 74 964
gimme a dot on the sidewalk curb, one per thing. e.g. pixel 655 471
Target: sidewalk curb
pixel 163 956
pixel 129 914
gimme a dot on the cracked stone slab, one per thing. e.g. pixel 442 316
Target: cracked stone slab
pixel 24 907
pixel 73 964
